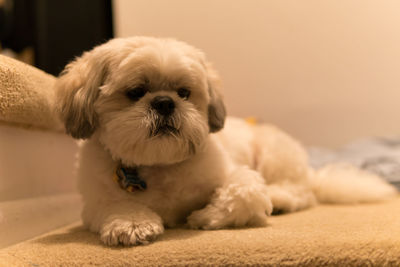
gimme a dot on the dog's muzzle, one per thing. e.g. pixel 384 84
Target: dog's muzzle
pixel 164 123
pixel 164 105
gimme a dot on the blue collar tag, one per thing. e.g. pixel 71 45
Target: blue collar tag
pixel 128 179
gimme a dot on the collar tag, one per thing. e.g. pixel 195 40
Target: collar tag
pixel 129 180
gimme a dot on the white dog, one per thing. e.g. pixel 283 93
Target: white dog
pixel 149 108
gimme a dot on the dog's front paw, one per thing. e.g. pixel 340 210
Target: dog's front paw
pixel 126 232
pixel 233 206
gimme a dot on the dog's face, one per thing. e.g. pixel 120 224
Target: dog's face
pixel 149 101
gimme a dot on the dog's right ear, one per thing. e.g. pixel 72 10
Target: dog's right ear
pixel 76 91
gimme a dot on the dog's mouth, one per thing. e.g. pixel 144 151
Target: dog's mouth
pixel 163 129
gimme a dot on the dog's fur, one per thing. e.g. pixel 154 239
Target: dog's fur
pixel 233 178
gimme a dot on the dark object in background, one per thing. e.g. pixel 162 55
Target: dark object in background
pixel 16 21
pixel 57 30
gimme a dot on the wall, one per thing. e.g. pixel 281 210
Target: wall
pixel 325 71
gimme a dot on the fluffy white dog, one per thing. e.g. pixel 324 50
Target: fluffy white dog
pixel 149 108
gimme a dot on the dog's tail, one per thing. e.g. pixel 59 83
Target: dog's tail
pixel 345 184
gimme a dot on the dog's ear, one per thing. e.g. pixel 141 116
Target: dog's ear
pixel 77 89
pixel 216 107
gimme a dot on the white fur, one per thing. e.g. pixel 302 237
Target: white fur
pixel 233 178
pixel 345 184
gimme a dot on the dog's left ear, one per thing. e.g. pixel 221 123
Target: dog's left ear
pixel 216 107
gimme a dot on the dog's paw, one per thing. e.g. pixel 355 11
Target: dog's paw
pixel 126 232
pixel 211 218
pixel 233 206
pixel 208 218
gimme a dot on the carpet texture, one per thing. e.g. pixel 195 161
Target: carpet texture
pixel 361 235
pixel 26 95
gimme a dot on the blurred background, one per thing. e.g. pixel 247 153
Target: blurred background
pixel 327 72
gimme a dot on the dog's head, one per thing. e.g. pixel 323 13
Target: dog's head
pixel 148 101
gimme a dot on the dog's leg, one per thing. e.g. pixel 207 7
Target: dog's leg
pixel 290 197
pixel 283 162
pixel 242 201
pixel 123 223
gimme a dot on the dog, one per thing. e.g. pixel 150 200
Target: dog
pixel 159 151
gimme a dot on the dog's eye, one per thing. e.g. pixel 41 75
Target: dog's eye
pixel 183 93
pixel 136 93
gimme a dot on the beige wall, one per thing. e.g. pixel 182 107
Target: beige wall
pixel 325 71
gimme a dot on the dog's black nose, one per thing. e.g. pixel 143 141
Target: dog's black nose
pixel 163 104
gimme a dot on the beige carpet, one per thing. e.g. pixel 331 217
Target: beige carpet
pixel 26 96
pixel 326 235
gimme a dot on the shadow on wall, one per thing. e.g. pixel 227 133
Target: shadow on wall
pixel 49 34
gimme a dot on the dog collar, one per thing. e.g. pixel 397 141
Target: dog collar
pixel 128 179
